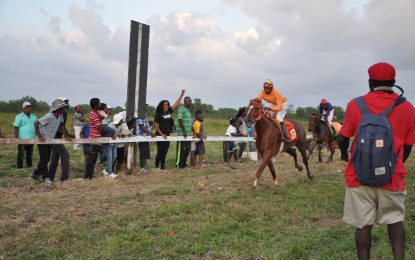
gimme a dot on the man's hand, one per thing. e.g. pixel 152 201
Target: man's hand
pixel 68 137
pixel 113 137
pixel 152 135
pixel 184 135
pixel 41 139
pixel 183 91
pixel 164 136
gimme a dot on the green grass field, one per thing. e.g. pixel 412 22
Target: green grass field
pixel 209 213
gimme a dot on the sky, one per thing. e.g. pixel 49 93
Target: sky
pixel 218 50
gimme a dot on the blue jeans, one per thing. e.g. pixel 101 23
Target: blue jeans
pixel 111 154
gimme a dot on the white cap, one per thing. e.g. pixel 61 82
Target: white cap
pixel 25 104
pixel 64 99
pixel 117 119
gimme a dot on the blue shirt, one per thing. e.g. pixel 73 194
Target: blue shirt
pixel 144 122
pixel 26 125
pixel 328 109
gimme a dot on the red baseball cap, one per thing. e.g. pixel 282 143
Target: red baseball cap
pixel 323 101
pixel 382 71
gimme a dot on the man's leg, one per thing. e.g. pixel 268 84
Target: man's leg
pixel 29 155
pixel 396 234
pixel 363 238
pixel 54 161
pixel 65 160
pixel 19 161
pixel 188 147
pixel 91 159
pixel 242 147
pixel 225 148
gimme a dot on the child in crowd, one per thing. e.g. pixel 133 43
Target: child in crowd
pixel 198 147
pixel 231 147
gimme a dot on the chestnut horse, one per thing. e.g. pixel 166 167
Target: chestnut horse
pixel 321 136
pixel 269 140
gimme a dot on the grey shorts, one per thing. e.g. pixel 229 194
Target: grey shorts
pixel 365 205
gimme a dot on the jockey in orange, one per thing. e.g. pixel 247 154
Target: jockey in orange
pixel 277 103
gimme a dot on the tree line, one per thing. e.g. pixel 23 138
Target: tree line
pixel 15 106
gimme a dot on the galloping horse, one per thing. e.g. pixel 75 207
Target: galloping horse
pixel 321 135
pixel 269 140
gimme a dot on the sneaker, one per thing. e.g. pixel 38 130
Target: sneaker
pixel 47 182
pixel 112 176
pixel 106 174
pixel 144 170
pixel 37 177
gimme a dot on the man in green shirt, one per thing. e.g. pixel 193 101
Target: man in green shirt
pixel 24 129
pixel 184 129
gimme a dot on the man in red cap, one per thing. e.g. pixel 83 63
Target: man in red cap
pixel 366 205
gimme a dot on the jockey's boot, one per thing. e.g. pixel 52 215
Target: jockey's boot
pixel 284 133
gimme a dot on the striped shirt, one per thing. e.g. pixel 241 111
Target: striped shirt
pixel 94 124
pixel 185 115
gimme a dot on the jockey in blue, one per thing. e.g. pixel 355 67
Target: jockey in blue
pixel 327 110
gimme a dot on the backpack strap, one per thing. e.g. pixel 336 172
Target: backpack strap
pixel 362 105
pixel 397 102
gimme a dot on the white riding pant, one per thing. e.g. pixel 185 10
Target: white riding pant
pixel 330 117
pixel 280 115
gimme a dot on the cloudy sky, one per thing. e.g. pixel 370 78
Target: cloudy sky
pixel 218 50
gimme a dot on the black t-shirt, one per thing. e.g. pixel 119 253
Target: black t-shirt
pixel 165 121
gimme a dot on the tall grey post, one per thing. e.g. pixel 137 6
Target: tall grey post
pixel 137 81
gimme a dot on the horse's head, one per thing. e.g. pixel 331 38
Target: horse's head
pixel 313 122
pixel 252 111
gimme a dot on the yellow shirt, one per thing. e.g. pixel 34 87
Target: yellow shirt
pixel 196 127
pixel 274 98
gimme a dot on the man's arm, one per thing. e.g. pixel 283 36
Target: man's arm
pixel 16 132
pixel 37 131
pixel 182 127
pixel 177 103
pixel 343 143
pixel 145 130
pixel 406 151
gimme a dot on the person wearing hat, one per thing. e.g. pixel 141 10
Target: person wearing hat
pixel 327 111
pixel 78 121
pixel 24 129
pixel 277 105
pixel 46 128
pixel 365 206
pixel 59 151
pixel 110 149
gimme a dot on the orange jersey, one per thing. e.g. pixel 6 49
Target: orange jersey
pixel 274 98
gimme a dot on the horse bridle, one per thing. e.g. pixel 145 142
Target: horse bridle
pixel 263 113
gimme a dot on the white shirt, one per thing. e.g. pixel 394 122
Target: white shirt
pixel 231 130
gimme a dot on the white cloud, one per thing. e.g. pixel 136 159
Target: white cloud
pixel 311 49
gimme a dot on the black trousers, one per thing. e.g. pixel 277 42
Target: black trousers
pixel 21 148
pixel 242 147
pixel 45 151
pixel 91 159
pixel 59 152
pixel 120 158
pixel 182 152
pixel 162 149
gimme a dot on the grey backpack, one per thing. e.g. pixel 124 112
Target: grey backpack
pixel 374 159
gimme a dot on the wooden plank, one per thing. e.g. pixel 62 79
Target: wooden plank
pixel 134 139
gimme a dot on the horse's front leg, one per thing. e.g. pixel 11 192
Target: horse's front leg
pixel 312 149
pixel 265 160
pixel 272 170
pixel 332 151
pixel 320 158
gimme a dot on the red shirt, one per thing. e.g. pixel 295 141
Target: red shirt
pixel 402 120
pixel 94 124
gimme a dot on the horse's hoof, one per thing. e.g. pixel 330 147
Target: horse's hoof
pixel 255 183
pixel 310 175
pixel 320 161
pixel 275 182
pixel 299 168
